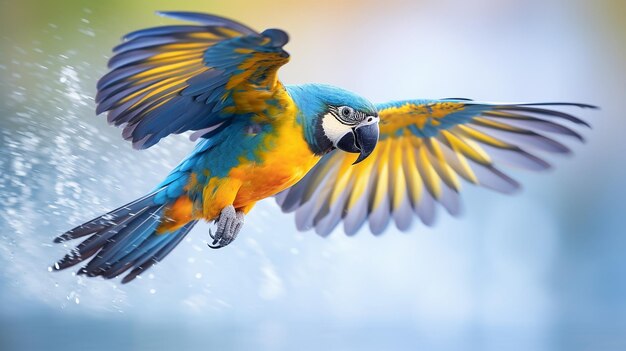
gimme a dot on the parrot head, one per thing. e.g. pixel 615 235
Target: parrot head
pixel 337 119
pixel 351 129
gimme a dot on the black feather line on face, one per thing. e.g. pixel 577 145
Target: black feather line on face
pixel 323 144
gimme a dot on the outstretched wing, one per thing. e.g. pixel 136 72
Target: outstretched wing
pixel 176 78
pixel 426 147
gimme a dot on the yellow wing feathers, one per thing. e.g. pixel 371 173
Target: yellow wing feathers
pixel 426 149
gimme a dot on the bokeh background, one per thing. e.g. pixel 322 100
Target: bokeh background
pixel 542 270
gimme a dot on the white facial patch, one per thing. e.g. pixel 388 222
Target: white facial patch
pixel 333 129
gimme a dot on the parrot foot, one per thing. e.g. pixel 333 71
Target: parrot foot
pixel 229 224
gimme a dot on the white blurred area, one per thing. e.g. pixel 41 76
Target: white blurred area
pixel 541 270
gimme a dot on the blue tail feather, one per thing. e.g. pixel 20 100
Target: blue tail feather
pixel 140 226
pixel 122 240
pixel 148 261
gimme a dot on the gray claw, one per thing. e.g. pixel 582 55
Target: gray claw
pixel 229 224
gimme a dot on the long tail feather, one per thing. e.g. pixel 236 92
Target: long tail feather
pixel 121 240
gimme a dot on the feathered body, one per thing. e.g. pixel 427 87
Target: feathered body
pixel 260 138
pixel 246 162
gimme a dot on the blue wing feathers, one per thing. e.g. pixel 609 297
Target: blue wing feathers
pixel 553 113
pixel 120 74
pixel 278 37
pixel 204 82
pixel 158 32
pixel 145 42
pixel 126 58
pixel 208 20
pixel 108 100
pixel 171 79
pixel 472 109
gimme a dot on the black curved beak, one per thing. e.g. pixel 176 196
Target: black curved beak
pixel 361 140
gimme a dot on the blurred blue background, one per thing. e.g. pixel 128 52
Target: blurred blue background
pixel 542 270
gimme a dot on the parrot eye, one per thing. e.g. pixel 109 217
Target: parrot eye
pixel 346 113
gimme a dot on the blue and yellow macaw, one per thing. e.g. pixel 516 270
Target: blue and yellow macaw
pixel 327 154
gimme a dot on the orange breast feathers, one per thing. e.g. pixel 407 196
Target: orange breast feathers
pixel 285 159
pixel 282 158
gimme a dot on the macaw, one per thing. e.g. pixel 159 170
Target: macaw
pixel 325 153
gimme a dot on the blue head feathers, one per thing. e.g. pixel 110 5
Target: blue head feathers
pixel 314 101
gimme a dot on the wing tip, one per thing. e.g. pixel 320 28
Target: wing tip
pixel 207 20
pixel 278 37
pixel 180 15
